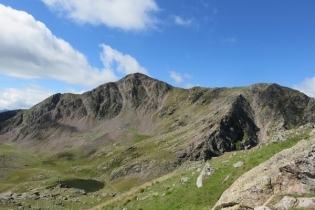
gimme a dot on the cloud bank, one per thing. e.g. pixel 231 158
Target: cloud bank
pixel 28 49
pixel 123 14
pixel 12 98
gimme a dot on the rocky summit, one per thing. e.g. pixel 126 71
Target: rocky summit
pixel 128 133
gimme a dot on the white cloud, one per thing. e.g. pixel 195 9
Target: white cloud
pixel 124 14
pixel 307 86
pixel 178 77
pixel 12 98
pixel 180 21
pixel 28 49
pixel 124 63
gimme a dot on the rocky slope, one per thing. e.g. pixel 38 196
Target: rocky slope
pixel 285 181
pixel 209 121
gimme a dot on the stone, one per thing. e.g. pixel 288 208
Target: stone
pixel 143 198
pixel 262 208
pixel 286 202
pixel 207 171
pixel 308 203
pixel 183 180
pixel 238 164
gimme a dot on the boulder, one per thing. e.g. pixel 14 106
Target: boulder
pixel 238 164
pixel 207 171
pixel 308 203
pixel 286 202
pixel 183 180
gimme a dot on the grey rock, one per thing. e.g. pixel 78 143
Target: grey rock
pixel 262 208
pixel 308 203
pixel 183 180
pixel 289 172
pixel 238 164
pixel 286 202
pixel 207 171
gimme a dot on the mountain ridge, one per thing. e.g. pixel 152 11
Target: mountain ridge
pixel 138 102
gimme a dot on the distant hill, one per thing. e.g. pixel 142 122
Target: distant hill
pixel 3 110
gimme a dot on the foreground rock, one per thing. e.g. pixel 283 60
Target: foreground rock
pixel 207 171
pixel 287 202
pixel 238 164
pixel 290 172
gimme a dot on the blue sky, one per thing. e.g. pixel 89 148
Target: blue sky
pixel 50 46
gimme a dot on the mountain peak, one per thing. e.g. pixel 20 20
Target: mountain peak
pixel 139 77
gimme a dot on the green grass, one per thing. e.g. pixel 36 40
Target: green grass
pixel 25 171
pixel 138 138
pixel 170 194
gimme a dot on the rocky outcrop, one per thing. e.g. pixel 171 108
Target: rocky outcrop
pixel 10 119
pixel 290 172
pixel 278 108
pixel 288 202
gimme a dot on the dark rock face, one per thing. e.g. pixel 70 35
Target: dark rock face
pixel 10 120
pixel 238 129
pixel 104 102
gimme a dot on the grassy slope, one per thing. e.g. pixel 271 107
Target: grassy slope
pixel 25 172
pixel 169 193
pixel 22 169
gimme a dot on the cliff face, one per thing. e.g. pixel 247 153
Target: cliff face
pixel 205 121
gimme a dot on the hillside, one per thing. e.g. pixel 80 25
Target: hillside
pixel 126 133
pixel 224 119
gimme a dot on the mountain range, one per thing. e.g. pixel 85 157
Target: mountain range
pixel 139 129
